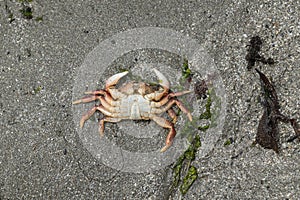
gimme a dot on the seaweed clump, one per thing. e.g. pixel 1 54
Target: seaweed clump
pixel 268 132
pixel 253 54
pixel 183 167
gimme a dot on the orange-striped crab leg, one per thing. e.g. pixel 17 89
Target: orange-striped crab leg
pixel 106 119
pixel 168 97
pixel 91 112
pixel 107 101
pixel 91 98
pixel 166 124
pixel 170 104
pixel 173 115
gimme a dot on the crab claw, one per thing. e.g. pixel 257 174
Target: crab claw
pixel 163 81
pixel 113 80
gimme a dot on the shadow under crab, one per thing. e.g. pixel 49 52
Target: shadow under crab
pixel 136 101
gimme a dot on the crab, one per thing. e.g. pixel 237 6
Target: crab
pixel 136 101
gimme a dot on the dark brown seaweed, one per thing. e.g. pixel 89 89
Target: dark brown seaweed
pixel 268 131
pixel 253 53
pixel 200 89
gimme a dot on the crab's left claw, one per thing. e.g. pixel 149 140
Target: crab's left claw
pixel 163 81
pixel 113 80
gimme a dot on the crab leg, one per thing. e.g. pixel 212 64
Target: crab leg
pixel 87 116
pixel 173 115
pixel 102 100
pixel 107 97
pixel 85 100
pixel 167 98
pixel 166 124
pixel 91 112
pixel 108 106
pixel 103 92
pixel 170 104
pixel 92 98
pixel 106 119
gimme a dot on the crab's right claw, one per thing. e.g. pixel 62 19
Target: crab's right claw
pixel 113 80
pixel 163 81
